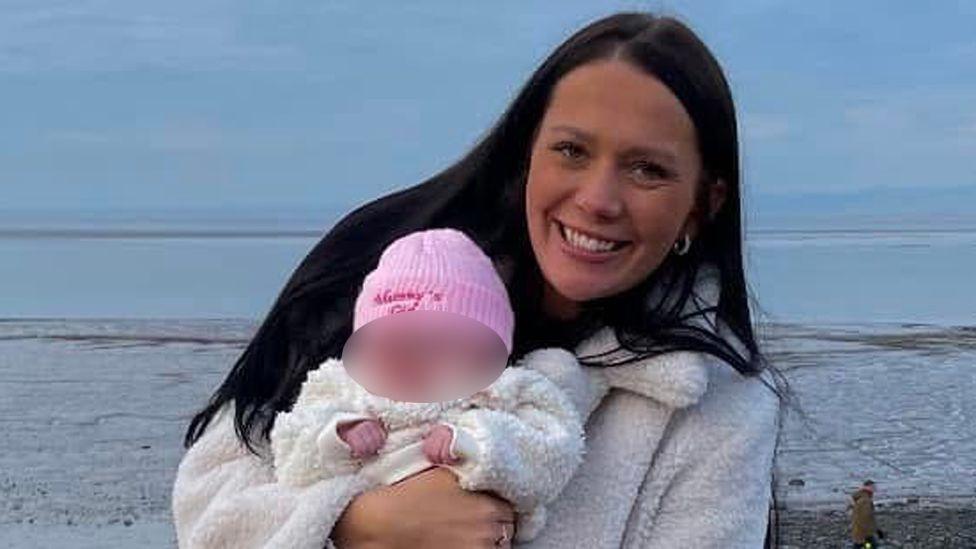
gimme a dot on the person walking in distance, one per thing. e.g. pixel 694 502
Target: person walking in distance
pixel 864 529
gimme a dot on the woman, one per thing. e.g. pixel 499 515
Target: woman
pixel 608 196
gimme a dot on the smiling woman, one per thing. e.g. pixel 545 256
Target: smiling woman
pixel 612 182
pixel 608 197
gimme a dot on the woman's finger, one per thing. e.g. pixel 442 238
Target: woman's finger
pixel 504 530
pixel 496 532
pixel 510 531
pixel 496 507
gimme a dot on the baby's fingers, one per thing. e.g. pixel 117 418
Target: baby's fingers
pixel 375 442
pixel 431 449
pixel 376 434
pixel 365 442
pixel 359 446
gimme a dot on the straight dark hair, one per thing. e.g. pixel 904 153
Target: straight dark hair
pixel 483 194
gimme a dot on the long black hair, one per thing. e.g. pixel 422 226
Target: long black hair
pixel 483 194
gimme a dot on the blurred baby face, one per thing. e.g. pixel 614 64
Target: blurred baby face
pixel 424 356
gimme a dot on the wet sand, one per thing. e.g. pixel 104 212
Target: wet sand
pixel 904 525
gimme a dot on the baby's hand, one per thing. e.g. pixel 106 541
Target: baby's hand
pixel 364 436
pixel 437 445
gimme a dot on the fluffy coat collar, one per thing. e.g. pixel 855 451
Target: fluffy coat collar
pixel 676 379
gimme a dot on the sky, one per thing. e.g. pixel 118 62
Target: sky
pixel 244 105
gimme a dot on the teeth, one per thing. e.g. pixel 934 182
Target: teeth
pixel 585 242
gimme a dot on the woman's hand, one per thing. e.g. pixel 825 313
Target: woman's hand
pixel 428 510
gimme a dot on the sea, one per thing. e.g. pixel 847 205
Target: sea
pixel 115 328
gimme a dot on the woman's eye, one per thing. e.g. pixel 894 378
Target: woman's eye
pixel 650 171
pixel 569 150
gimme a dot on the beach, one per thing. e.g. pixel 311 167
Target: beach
pixel 112 335
pixel 95 410
pixel 905 525
pixel 94 413
pixel 890 403
pixel 169 169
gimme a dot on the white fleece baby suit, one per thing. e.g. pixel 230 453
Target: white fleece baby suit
pixel 520 437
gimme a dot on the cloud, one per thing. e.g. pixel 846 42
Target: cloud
pixel 878 117
pixel 913 122
pixel 107 35
pixel 920 136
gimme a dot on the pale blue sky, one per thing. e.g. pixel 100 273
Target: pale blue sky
pixel 118 104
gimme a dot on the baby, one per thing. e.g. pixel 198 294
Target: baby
pixel 423 383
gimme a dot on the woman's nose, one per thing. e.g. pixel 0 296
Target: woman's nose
pixel 599 195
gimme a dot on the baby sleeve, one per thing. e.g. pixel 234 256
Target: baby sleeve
pixel 305 444
pixel 524 439
pixel 306 447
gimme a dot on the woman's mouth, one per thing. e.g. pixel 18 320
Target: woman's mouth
pixel 588 247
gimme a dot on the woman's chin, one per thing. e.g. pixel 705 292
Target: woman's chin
pixel 574 282
pixel 579 290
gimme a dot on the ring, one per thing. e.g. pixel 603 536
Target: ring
pixel 500 541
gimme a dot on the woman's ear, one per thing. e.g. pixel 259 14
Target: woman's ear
pixel 717 192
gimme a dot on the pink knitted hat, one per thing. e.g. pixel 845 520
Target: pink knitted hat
pixel 436 270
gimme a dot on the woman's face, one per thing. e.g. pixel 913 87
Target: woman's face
pixel 615 159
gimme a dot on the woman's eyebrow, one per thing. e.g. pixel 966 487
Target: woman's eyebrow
pixel 576 132
pixel 663 155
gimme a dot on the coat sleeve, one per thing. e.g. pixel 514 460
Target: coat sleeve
pixel 224 496
pixel 525 441
pixel 715 468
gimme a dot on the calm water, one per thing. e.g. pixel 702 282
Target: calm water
pixel 207 269
pixel 866 276
pixel 148 268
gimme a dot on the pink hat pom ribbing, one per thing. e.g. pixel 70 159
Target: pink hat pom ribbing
pixel 436 270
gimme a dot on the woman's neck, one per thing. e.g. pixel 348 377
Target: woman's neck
pixel 558 306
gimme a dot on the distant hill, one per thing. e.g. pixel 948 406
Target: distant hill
pixel 872 206
pixel 877 207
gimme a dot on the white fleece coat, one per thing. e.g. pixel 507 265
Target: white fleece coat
pixel 678 453
pixel 520 437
